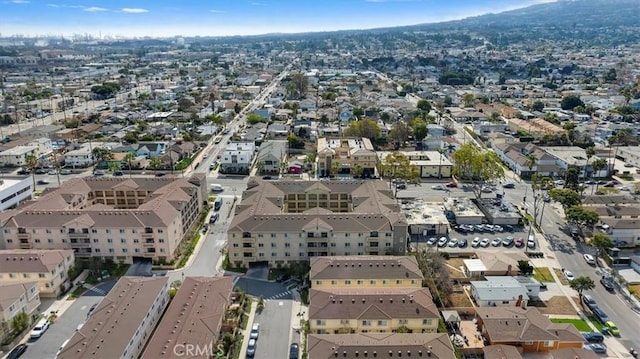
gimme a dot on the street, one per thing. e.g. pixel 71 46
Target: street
pixel 275 324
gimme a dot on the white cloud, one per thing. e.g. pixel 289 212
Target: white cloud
pixel 53 5
pixel 213 11
pixel 258 4
pixel 94 9
pixel 20 1
pixel 134 10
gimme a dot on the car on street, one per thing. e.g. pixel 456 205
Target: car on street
pixel 625 188
pixel 612 328
pixel 91 309
pixel 596 348
pixel 485 243
pixel 438 187
pixel 39 329
pixel 589 301
pixel 442 241
pixel 214 217
pixel 451 184
pixel 568 275
pixel 589 259
pixel 65 171
pixel 559 183
pixel 507 241
pixel 607 283
pixel 255 331
pixel 102 172
pixel 294 351
pixel 486 189
pixel 400 186
pixel 431 241
pixel 17 351
pixel 41 171
pixel 23 172
pixel 251 348
pixel 462 243
pixel 475 243
pixel 593 337
pixel 496 242
pixel 118 173
pixel 43 181
pixel 453 242
pixel 519 242
pixel 600 315
pixel 52 173
pixel 509 185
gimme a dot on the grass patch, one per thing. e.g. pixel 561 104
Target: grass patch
pixel 304 296
pixel 189 251
pixel 226 265
pixel 595 322
pixel 580 324
pixel 543 274
pixel 634 289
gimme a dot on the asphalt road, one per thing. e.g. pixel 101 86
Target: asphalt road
pixel 275 322
pixel 64 327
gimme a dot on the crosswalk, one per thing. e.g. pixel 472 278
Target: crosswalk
pixel 95 290
pixel 282 295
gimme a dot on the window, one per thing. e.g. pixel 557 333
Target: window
pixel 505 302
pixel 360 282
pixel 366 323
pixel 96 250
pixel 48 231
pixel 273 235
pixel 25 275
pixel 548 343
pixel 108 231
pixel 398 281
pixel 109 240
pixel 137 250
pixel 374 234
pixel 41 275
pixel 287 254
pixel 360 244
pixel 287 245
pixel 318 282
pixel 121 230
pixel 111 250
pixel 123 241
pixel 382 323
pixel 160 240
pixel 373 282
pixel 427 321
pixel 347 244
pixel 403 321
pixel 260 245
pixel 37 240
pixel 273 245
pixel 528 342
pixel 334 282
pixel 347 282
pixel 235 245
pixel 50 241
pixel 94 231
pixel 124 250
pixel 136 240
pixel 321 322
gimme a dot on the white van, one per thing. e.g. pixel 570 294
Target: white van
pixel 217 188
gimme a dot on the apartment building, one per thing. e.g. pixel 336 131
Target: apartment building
pixel 112 218
pixel 191 325
pixel 14 192
pixel 430 164
pixel 237 157
pixel 285 222
pixel 48 268
pixel 17 156
pixel 346 156
pixel 18 298
pixel 365 272
pixel 122 323
pixel 380 345
pixel 344 311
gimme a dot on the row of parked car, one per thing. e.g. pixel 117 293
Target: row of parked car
pixel 608 325
pixel 483 228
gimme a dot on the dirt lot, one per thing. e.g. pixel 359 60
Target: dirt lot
pixel 563 279
pixel 459 300
pixel 454 265
pixel 555 305
pixel 635 290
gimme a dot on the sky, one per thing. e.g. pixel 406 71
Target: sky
pixel 166 18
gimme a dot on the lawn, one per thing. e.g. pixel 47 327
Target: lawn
pixel 542 274
pixel 595 322
pixel 634 289
pixel 580 324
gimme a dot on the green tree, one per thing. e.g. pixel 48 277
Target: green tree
pixel 598 165
pixel 358 112
pixel 30 164
pixel 468 99
pixel 582 217
pixel 525 267
pixel 570 101
pixel 478 166
pixel 602 242
pixel 101 155
pixel 252 119
pixel 419 128
pixel 424 106
pixel 537 106
pixel 436 274
pixel 129 157
pixel 566 197
pixel 399 133
pixel 297 86
pixel 20 322
pixel 364 128
pixel 589 152
pixel 397 165
pixel 154 163
pixel 580 284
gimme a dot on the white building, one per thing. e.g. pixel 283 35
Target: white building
pixel 13 192
pixel 82 157
pixel 17 156
pixel 499 291
pixel 237 157
pixel 45 146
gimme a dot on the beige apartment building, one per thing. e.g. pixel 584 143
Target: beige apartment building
pixel 18 298
pixel 190 328
pixel 111 218
pixel 346 156
pixel 365 272
pixel 48 268
pixel 283 222
pixel 122 323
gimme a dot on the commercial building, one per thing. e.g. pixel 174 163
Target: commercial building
pixel 48 268
pixel 430 164
pixel 14 192
pixel 285 222
pixel 191 325
pixel 122 323
pixel 355 156
pixel 112 218
pixel 16 298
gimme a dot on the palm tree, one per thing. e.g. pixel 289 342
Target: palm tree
pixel 532 161
pixel 581 284
pixel 30 164
pixel 101 155
pixel 154 163
pixel 589 152
pixel 598 165
pixel 130 156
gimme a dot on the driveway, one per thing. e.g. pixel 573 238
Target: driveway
pixel 275 323
pixel 268 290
pixel 62 329
pixel 258 271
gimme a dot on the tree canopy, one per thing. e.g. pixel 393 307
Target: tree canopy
pixel 106 90
pixel 570 101
pixel 580 284
pixel 478 166
pixel 364 128
pixel 566 197
pixel 582 217
pixel 397 165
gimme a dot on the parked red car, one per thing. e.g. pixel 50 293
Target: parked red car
pixel 451 184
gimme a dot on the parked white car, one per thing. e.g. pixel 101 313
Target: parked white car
pixel 589 259
pixel 569 275
pixel 39 329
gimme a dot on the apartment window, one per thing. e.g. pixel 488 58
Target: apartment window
pixel 274 254
pixel 160 240
pixel 136 240
pixel 362 244
pixel 334 282
pixel 387 234
pixel 287 254
pixel 347 282
pixel 413 281
pixel 260 235
pixel 528 342
pixel 323 234
pixel 366 323
pixel 161 250
pixel 134 231
pixel 347 244
pixel 124 250
pixel 333 244
pixel 96 250
pixel 382 323
pixel 318 282
pixel 505 302
pixel 37 240
pixel 344 321
pixel 384 281
pixel 235 245
pixel 427 321
pixel 548 343
pixel 273 235
pixel 160 230
pixel 94 231
pixel 260 245
pixel 273 245
pixel 64 240
pixel 50 241
pixel 48 231
pixel 403 321
pixel 374 233
pixel 321 322
pixel 137 250
pixel 111 250
pixel 121 230
pixel 360 282
pixel 346 234
pixel 108 230
pixel 372 282
pixel 260 254
pixel 12 275
pixel 109 240
pixel 398 281
pixel 9 240
pixel 25 275
pixel 95 240
pixel 286 235
pixel 123 241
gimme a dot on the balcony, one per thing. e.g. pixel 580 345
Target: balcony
pixel 26 245
pixel 75 243
pixel 24 236
pixel 78 234
pixel 148 255
pixel 249 240
pixel 148 244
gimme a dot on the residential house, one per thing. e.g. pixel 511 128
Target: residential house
pixel 575 156
pixel 271 155
pixel 622 230
pixel 354 156
pixel 378 345
pixel 431 164
pixel 80 157
pixel 17 156
pixel 16 298
pixel 499 351
pixel 499 291
pixel 48 268
pixel 525 328
pixel 284 222
pixel 194 316
pixel 276 130
pixel 516 156
pixel 14 192
pixel 123 322
pixel 365 272
pixel 45 146
pixel 493 264
pixel 237 157
pixel 110 218
pixel 343 311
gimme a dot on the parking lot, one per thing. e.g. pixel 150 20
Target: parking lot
pixel 62 329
